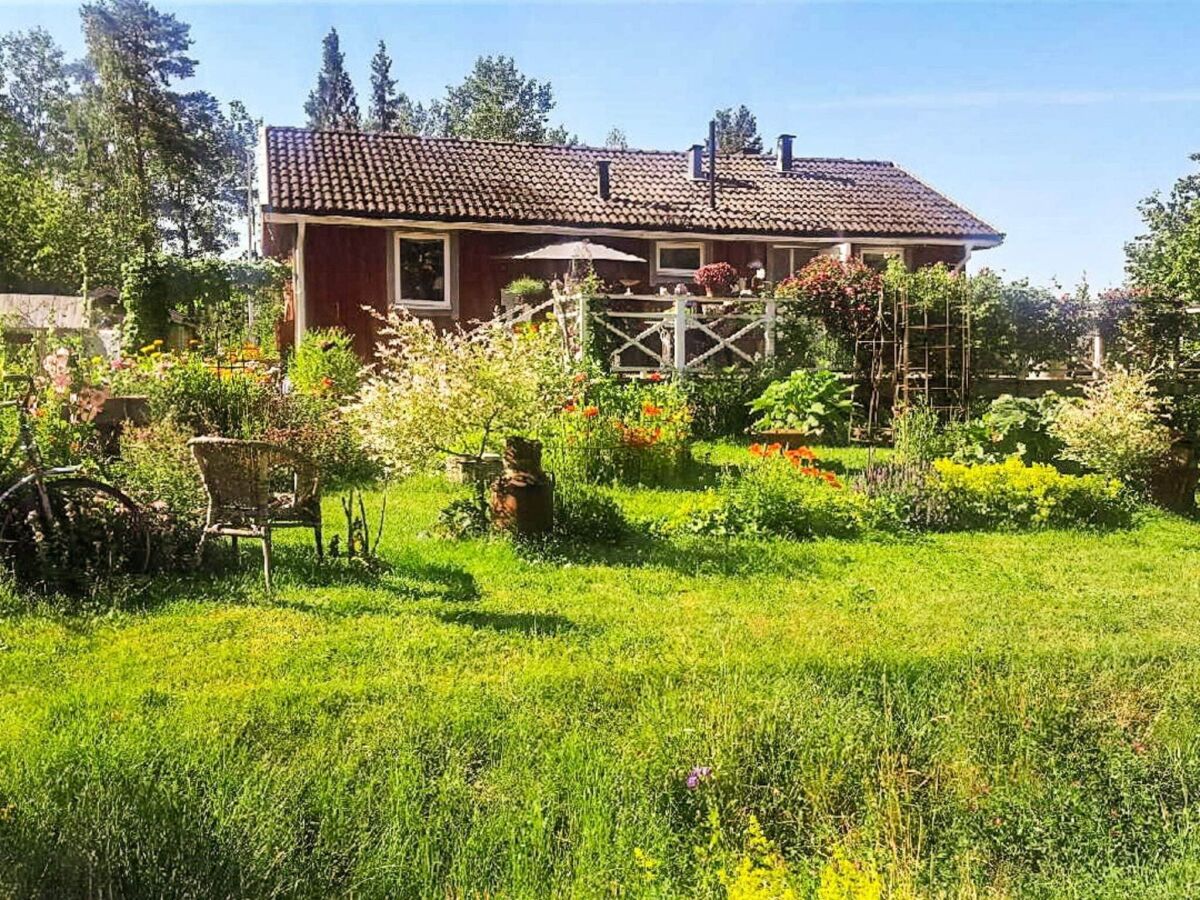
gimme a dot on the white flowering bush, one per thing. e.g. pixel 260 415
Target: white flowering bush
pixel 437 393
pixel 1118 428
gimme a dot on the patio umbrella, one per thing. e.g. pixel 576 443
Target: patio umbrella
pixel 584 249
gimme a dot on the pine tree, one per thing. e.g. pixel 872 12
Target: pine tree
pixel 497 101
pixel 616 140
pixel 381 115
pixel 737 131
pixel 332 103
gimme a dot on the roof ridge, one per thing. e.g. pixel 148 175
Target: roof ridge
pixel 505 142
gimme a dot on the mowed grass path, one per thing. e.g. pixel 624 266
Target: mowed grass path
pixel 975 715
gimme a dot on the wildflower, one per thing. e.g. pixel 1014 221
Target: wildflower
pixel 774 449
pixel 326 382
pixel 650 409
pixel 590 412
pixel 698 776
pixel 580 377
pixel 654 376
pixel 569 406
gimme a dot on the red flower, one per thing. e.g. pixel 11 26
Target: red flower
pixel 654 376
pixel 590 412
pixel 650 409
pixel 569 407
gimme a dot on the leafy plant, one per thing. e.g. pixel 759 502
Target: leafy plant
pixel 904 496
pixel 919 436
pixel 1013 495
pixel 1117 429
pixel 463 517
pixel 720 400
pixel 437 393
pixel 584 513
pixel 1012 426
pixel 527 288
pixel 325 364
pixel 812 403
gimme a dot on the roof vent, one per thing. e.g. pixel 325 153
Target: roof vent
pixel 695 161
pixel 783 157
pixel 603 167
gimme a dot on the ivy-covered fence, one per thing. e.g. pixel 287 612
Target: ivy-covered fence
pixel 226 302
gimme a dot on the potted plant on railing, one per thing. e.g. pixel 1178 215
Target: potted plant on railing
pixel 525 290
pixel 717 279
pixel 805 405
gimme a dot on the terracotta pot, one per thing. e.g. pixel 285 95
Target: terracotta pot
pixel 523 496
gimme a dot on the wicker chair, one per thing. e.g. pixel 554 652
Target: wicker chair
pixel 239 477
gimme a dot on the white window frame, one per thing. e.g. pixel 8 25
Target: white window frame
pixel 678 245
pixel 429 237
pixel 792 248
pixel 886 252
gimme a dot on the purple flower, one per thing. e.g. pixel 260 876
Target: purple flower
pixel 697 776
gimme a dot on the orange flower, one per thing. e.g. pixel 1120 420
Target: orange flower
pixel 650 409
pixel 580 377
pixel 590 412
pixel 654 376
pixel 774 449
pixel 756 450
pixel 569 407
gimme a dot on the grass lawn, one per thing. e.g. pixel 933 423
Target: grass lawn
pixel 971 714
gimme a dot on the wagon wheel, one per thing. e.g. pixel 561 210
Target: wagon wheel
pixel 93 530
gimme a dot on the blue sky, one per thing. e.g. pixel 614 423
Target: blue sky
pixel 1049 120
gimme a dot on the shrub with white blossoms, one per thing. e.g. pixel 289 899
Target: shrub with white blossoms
pixel 437 393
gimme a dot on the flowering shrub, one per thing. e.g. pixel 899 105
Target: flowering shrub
pixel 437 393
pixel 812 403
pixel 777 496
pixel 718 277
pixel 1117 429
pixel 842 294
pixel 325 364
pixel 1013 495
pixel 904 496
pixel 609 430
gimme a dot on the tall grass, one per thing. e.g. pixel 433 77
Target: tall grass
pixel 974 715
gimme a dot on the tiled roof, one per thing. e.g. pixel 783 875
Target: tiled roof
pixel 447 179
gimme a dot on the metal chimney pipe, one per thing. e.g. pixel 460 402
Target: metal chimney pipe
pixel 603 167
pixel 712 163
pixel 783 158
pixel 695 157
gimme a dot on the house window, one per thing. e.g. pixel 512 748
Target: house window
pixel 680 258
pixel 878 258
pixel 785 261
pixel 422 270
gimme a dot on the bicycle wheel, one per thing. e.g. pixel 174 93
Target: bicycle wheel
pixel 94 531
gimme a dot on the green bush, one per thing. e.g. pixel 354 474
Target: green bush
pixel 1013 495
pixel 1010 426
pixel 1117 430
pixel 463 517
pixel 615 430
pixel 919 436
pixel 584 513
pixel 204 401
pixel 720 400
pixel 157 469
pixel 771 498
pixel 904 496
pixel 815 403
pixel 325 364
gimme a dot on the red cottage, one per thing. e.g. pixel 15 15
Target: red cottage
pixel 433 224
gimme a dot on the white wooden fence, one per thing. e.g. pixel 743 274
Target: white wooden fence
pixel 683 333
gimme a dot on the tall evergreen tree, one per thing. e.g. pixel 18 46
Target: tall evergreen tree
pixel 332 103
pixel 737 131
pixel 616 140
pixel 138 53
pixel 381 114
